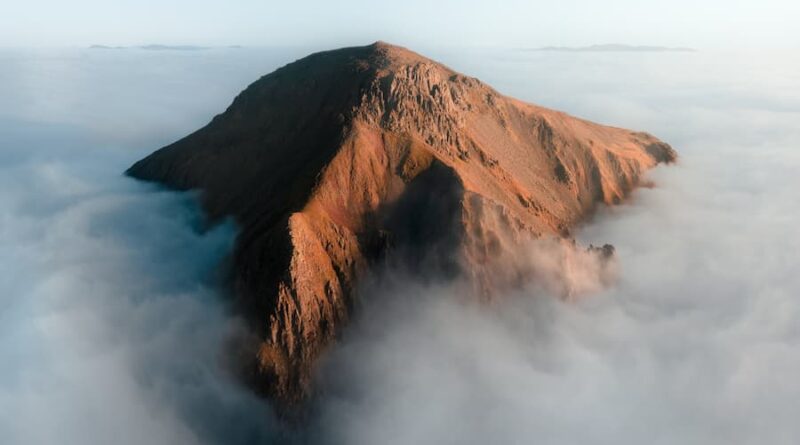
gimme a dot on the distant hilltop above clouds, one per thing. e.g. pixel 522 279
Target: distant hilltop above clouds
pixel 612 47
pixel 160 47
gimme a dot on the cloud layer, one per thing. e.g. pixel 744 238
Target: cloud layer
pixel 112 326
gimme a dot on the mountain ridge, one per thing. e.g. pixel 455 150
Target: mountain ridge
pixel 335 161
pixel 613 47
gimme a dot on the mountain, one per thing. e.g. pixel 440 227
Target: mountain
pixel 345 159
pixel 107 47
pixel 159 47
pixel 613 47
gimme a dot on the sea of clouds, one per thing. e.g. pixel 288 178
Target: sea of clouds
pixel 113 323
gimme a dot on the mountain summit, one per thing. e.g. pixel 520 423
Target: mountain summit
pixel 347 157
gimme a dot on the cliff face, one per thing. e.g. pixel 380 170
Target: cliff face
pixel 334 161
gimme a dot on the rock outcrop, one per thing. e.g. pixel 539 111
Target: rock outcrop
pixel 336 159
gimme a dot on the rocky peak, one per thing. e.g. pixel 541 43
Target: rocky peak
pixel 339 160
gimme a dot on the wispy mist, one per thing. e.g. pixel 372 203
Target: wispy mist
pixel 112 323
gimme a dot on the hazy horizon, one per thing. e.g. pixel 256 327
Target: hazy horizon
pixel 415 23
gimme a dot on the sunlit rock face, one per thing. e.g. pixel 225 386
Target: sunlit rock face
pixel 376 155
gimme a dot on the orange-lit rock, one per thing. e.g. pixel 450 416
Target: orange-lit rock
pixel 334 161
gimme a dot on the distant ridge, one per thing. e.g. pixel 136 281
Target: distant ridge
pixel 612 47
pixel 160 47
pixel 107 47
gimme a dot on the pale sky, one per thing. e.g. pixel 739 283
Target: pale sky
pixel 507 23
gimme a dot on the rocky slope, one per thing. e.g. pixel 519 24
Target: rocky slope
pixel 337 159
